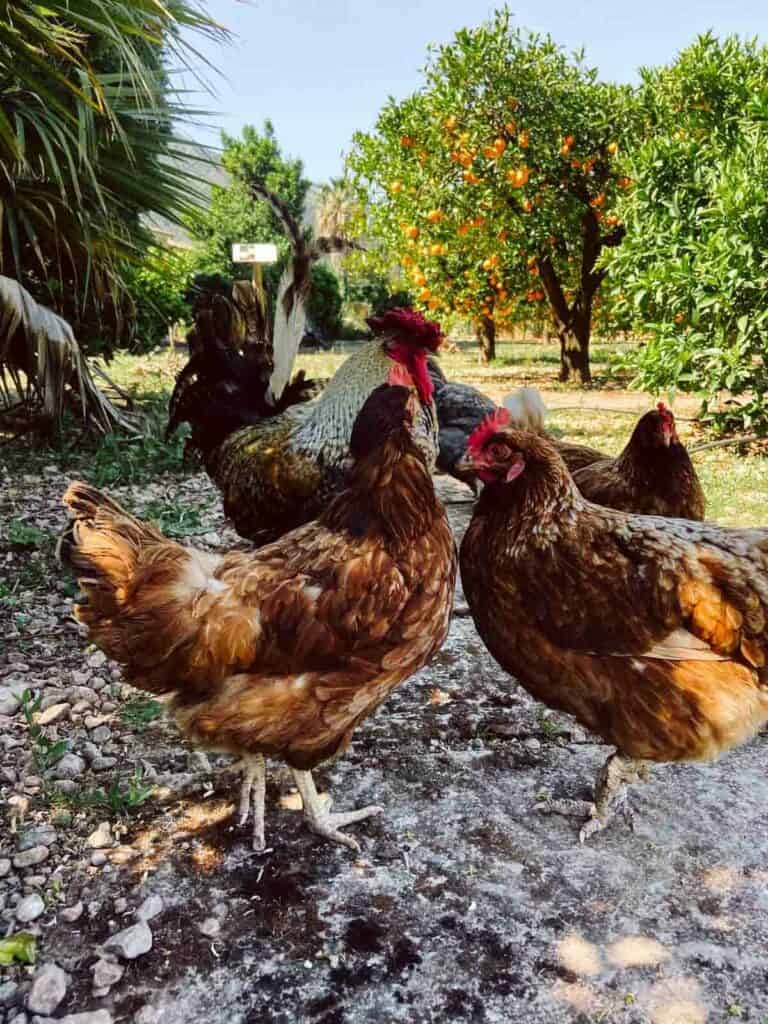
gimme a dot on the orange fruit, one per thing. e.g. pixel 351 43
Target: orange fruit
pixel 527 205
pixel 406 141
pixel 412 231
pixel 434 216
pixel 613 148
pixel 569 140
pixel 425 294
pixel 524 139
pixel 450 123
pixel 396 186
pixel 510 127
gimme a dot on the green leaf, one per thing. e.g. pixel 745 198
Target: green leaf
pixel 19 948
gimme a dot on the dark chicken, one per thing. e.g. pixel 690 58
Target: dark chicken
pixel 280 472
pixel 653 475
pixel 461 408
pixel 652 632
pixel 281 652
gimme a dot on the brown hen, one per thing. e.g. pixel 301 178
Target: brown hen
pixel 652 632
pixel 281 652
pixel 653 474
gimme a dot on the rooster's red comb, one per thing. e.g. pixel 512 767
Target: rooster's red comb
pixel 498 419
pixel 666 414
pixel 399 376
pixel 408 326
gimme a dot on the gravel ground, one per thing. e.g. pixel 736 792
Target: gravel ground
pixel 121 857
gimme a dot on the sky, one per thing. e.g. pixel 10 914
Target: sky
pixel 322 69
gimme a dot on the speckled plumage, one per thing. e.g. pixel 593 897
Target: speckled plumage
pixel 652 632
pixel 280 473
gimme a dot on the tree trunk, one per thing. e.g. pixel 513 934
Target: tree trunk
pixel 486 336
pixel 574 350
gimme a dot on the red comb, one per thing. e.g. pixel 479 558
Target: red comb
pixel 491 424
pixel 666 414
pixel 399 376
pixel 409 327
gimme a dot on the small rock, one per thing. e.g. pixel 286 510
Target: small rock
pixel 147 1015
pixel 73 913
pixel 9 992
pixel 5 866
pixel 81 679
pixel 7 774
pixel 532 743
pixel 67 786
pixel 98 858
pixel 49 986
pixel 106 973
pixel 97 683
pixel 29 908
pixel 101 837
pixel 97 659
pixel 40 835
pixel 9 704
pixel 150 908
pixel 121 905
pixel 54 713
pixel 91 1017
pixel 197 761
pixel 28 858
pixel 131 942
pixel 210 927
pixel 20 1018
pixel 101 734
pixel 71 766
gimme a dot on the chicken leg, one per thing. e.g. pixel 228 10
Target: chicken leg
pixel 318 816
pixel 252 794
pixel 611 796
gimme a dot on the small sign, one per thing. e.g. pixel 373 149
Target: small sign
pixel 254 252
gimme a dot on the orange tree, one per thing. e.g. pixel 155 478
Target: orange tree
pixel 494 184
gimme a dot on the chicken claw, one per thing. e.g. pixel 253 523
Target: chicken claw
pixel 252 794
pixel 611 797
pixel 318 816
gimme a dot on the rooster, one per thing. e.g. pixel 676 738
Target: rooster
pixel 652 632
pixel 653 474
pixel 281 652
pixel 222 388
pixel 279 472
pixel 461 408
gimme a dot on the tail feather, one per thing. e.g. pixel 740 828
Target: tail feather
pixel 527 409
pixel 139 590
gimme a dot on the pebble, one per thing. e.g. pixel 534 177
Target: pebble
pixel 91 1017
pixel 28 858
pixel 532 743
pixel 197 761
pixel 54 713
pixel 150 908
pixel 9 704
pixel 98 858
pixel 147 1015
pixel 131 942
pixel 40 835
pixel 29 908
pixel 121 905
pixel 101 734
pixel 65 785
pixel 97 659
pixel 20 1018
pixel 49 986
pixel 106 973
pixel 82 678
pixel 101 837
pixel 210 927
pixel 71 766
pixel 97 683
pixel 5 866
pixel 73 913
pixel 9 991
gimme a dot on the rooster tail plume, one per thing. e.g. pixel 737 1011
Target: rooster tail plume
pixel 293 290
pixel 527 410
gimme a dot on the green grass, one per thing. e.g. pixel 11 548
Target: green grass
pixel 140 711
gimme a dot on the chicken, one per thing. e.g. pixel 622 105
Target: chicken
pixel 653 475
pixel 652 632
pixel 577 456
pixel 282 471
pixel 280 652
pixel 461 408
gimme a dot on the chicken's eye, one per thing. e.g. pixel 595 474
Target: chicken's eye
pixel 498 450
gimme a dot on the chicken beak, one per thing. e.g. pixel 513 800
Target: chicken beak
pixel 465 465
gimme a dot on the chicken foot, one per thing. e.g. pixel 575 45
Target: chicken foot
pixel 317 812
pixel 611 796
pixel 252 792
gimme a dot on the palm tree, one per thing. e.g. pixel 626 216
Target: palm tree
pixel 335 213
pixel 87 145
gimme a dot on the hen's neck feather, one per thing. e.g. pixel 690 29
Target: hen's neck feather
pixel 390 491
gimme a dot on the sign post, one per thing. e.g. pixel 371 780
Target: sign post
pixel 257 254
